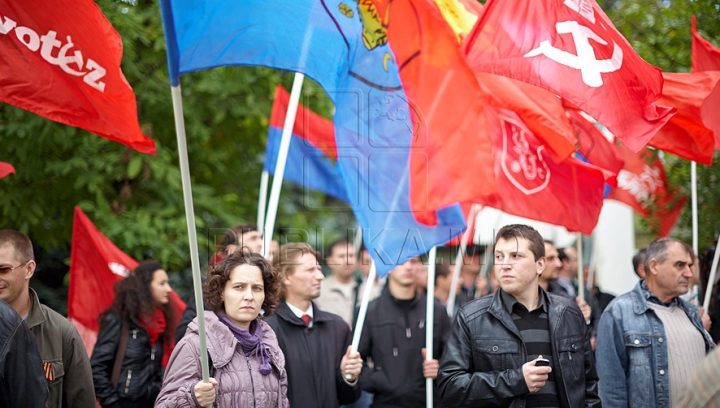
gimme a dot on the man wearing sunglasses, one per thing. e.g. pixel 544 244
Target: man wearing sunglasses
pixel 65 361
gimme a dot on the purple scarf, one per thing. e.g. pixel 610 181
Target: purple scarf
pixel 251 341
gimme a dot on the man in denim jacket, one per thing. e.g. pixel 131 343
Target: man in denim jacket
pixel 649 339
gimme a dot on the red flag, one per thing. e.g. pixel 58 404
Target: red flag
pixel 705 56
pixel 596 148
pixel 95 265
pixel 61 60
pixel 572 49
pixel 685 134
pixel 709 113
pixel 642 185
pixel 5 169
pixel 447 104
pixel 541 110
pixel 532 185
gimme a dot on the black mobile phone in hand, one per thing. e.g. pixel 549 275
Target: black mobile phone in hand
pixel 542 362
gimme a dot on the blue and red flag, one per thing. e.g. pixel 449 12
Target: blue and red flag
pixel 5 169
pixel 380 134
pixel 312 156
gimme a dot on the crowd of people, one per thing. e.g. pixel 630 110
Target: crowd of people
pixel 278 333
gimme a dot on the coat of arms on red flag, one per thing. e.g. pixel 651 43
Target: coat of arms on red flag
pixel 532 185
pixel 523 165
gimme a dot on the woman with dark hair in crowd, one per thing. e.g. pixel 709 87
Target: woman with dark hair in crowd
pixel 135 340
pixel 247 367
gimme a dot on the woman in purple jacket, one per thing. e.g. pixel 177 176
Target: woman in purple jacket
pixel 248 363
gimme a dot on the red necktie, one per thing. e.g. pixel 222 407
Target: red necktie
pixel 306 318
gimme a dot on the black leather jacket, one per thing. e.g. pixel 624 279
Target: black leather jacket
pixel 22 379
pixel 141 373
pixel 482 362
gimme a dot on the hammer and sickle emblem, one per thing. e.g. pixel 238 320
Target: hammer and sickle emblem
pixel 585 60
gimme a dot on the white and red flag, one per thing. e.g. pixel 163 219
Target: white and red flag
pixel 571 48
pixel 5 169
pixel 61 60
pixel 95 265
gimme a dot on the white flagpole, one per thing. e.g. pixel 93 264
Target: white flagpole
pixel 711 280
pixel 694 202
pixel 262 199
pixel 269 224
pixel 430 322
pixel 581 288
pixel 593 263
pixel 362 313
pixel 459 260
pixel 190 218
pixel 358 241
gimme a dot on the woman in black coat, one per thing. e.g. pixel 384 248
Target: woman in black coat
pixel 140 321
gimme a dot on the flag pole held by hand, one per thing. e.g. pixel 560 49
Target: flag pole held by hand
pixel 369 282
pixel 430 320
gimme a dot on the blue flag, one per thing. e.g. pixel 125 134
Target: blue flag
pixel 342 45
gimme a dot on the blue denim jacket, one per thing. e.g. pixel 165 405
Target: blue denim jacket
pixel 631 353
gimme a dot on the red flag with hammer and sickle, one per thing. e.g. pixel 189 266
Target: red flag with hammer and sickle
pixel 571 48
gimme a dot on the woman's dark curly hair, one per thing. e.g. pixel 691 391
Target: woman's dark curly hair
pixel 219 275
pixel 134 301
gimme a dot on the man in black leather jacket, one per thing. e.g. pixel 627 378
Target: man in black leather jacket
pixel 491 358
pixel 22 380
